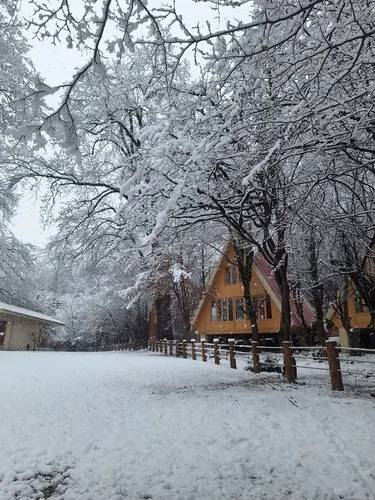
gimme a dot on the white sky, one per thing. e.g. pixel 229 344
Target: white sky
pixel 57 64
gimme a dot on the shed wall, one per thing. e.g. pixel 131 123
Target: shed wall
pixel 20 332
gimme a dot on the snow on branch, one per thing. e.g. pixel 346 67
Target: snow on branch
pixel 258 168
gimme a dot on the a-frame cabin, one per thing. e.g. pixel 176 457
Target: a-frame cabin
pixel 221 312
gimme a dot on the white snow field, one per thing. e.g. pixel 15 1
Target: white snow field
pixel 120 425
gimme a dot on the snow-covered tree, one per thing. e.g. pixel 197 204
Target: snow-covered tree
pixel 17 269
pixel 281 114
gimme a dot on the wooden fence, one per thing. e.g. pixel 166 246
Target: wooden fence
pixel 121 347
pixel 290 355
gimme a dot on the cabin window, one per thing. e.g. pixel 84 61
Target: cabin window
pixel 261 314
pixel 268 307
pixel 359 303
pixel 213 311
pixel 222 310
pixel 234 274
pixel 227 276
pixel 262 303
pixel 230 310
pixel 231 275
pixel 218 315
pixel 3 325
pixel 225 310
pixel 239 310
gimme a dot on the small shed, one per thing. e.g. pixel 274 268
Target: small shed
pixel 21 329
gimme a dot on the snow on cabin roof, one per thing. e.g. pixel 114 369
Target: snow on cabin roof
pixel 27 313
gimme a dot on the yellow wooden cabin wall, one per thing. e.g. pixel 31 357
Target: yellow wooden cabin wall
pixel 220 290
pixel 357 319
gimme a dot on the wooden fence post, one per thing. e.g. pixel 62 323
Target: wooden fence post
pixel 254 350
pixel 165 347
pixel 193 352
pixel 184 349
pixel 177 352
pixel 232 356
pixel 289 362
pixel 153 345
pixel 334 366
pixel 216 352
pixel 203 346
pixel 171 347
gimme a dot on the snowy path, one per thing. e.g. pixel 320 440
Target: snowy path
pixel 140 426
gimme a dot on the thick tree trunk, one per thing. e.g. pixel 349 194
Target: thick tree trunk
pixel 182 294
pixel 285 319
pixel 245 257
pixel 317 287
pixel 164 317
pixel 320 330
pixel 250 312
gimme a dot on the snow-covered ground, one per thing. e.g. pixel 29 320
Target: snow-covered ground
pixel 142 426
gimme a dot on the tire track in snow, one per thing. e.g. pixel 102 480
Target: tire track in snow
pixel 279 387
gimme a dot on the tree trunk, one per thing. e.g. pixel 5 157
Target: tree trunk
pixel 317 287
pixel 164 317
pixel 319 320
pixel 285 319
pixel 250 312
pixel 245 257
pixel 182 294
pixel 342 310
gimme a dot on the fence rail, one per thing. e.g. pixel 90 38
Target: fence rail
pixel 290 354
pixel 129 346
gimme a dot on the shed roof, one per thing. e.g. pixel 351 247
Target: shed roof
pixel 27 313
